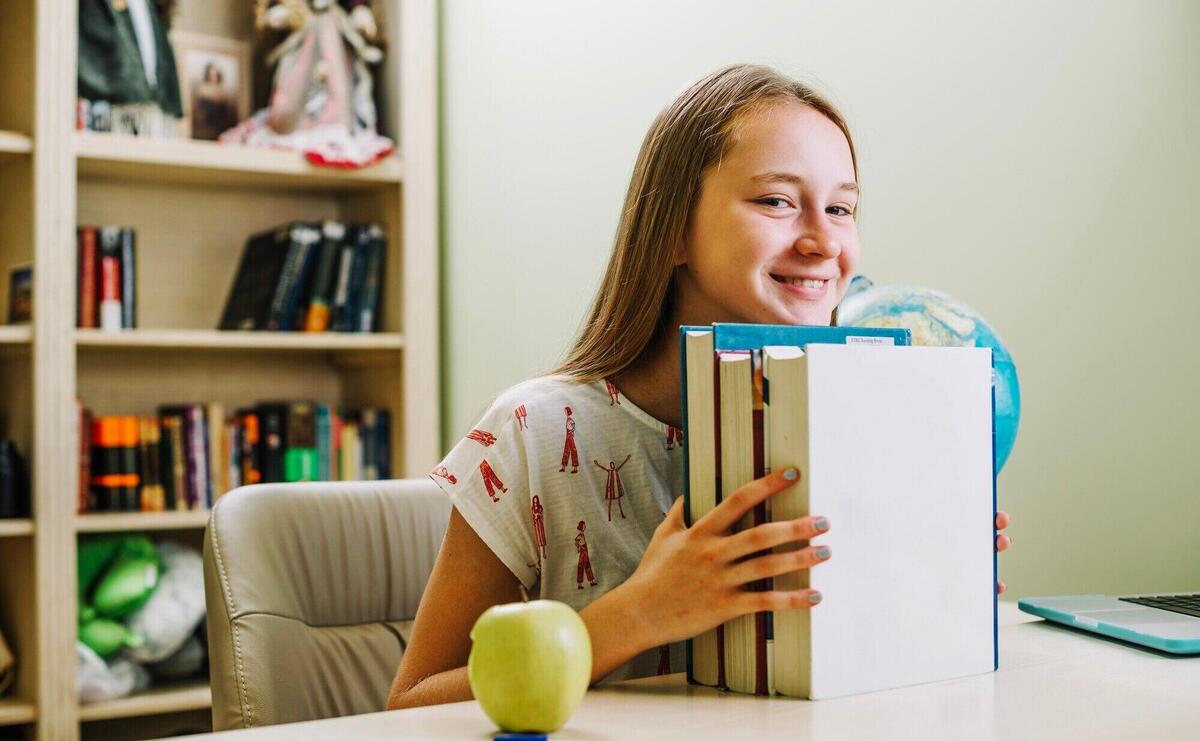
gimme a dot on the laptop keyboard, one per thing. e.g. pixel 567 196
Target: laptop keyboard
pixel 1186 604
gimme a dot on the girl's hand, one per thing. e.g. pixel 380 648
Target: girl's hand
pixel 692 579
pixel 1003 542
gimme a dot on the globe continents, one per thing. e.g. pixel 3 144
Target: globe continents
pixel 937 319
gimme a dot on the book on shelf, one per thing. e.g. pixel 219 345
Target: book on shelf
pixel 106 277
pixel 20 294
pixel 188 455
pixel 308 277
pixel 881 433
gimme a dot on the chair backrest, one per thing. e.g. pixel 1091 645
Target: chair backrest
pixel 309 588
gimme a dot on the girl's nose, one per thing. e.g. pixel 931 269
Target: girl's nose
pixel 816 242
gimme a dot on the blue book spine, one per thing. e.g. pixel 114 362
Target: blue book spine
pixel 756 336
pixel 324 443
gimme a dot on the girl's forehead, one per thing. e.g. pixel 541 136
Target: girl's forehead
pixel 788 135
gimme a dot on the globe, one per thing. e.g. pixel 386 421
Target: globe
pixel 937 319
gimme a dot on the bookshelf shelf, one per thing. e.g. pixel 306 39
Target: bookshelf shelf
pixel 170 699
pixel 14 145
pixel 187 162
pixel 114 522
pixel 13 528
pixel 212 339
pixel 14 711
pixel 19 334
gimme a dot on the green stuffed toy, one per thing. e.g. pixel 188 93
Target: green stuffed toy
pixel 116 577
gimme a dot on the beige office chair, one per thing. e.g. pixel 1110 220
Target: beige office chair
pixel 310 592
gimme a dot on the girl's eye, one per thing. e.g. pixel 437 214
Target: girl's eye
pixel 774 202
pixel 839 210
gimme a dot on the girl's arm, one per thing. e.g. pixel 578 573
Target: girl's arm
pixel 467 579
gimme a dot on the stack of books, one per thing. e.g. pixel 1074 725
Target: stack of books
pixel 188 455
pixel 309 277
pixel 106 277
pixel 893 444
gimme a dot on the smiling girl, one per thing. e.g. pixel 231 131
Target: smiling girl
pixel 741 209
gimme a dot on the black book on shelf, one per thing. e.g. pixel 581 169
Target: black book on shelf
pixel 250 296
pixel 272 420
pixel 352 266
pixel 321 287
pixel 14 483
pixel 128 282
pixel 375 246
pixel 303 242
pixel 383 443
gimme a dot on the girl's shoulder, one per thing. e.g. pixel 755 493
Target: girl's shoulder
pixel 548 390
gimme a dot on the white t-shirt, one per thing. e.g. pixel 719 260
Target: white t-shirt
pixel 566 482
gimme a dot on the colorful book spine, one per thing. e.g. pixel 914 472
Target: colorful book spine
pixel 87 277
pixel 110 278
pixel 128 283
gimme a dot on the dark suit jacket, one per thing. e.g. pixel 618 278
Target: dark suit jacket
pixel 110 66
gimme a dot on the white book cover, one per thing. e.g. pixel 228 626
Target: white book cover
pixel 894 446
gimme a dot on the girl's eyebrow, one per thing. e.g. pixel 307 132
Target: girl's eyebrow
pixel 787 177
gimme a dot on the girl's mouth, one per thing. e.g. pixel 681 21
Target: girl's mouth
pixel 806 288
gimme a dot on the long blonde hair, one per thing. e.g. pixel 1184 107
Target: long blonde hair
pixel 691 134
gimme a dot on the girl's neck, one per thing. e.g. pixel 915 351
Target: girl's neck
pixel 652 382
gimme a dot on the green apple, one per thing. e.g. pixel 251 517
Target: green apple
pixel 530 664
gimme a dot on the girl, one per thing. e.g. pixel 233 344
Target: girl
pixel 741 209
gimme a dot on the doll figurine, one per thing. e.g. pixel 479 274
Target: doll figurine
pixel 322 97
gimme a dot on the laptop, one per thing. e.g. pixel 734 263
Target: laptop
pixel 1167 622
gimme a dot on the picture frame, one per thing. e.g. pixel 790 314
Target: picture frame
pixel 215 82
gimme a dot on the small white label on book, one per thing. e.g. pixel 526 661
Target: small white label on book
pixel 1087 621
pixel 854 340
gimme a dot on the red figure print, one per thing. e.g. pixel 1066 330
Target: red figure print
pixel 613 488
pixel 664 660
pixel 674 437
pixel 491 480
pixel 443 473
pixel 614 394
pixel 569 451
pixel 484 438
pixel 539 527
pixel 520 413
pixel 585 563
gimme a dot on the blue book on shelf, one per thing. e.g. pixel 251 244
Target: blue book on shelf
pixel 757 336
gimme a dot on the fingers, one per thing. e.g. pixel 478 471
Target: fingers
pixel 748 602
pixel 774 564
pixel 1002 520
pixel 766 536
pixel 1003 542
pixel 1001 587
pixel 744 498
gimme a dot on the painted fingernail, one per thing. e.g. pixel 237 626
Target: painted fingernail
pixel 823 552
pixel 814 598
pixel 790 474
pixel 821 524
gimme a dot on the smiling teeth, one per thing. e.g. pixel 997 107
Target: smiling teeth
pixel 806 283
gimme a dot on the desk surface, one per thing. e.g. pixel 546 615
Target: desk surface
pixel 1053 683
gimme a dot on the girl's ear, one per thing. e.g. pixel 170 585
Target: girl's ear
pixel 680 255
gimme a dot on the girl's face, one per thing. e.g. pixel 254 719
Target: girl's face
pixel 772 239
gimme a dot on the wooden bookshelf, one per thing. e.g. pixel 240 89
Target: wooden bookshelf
pixel 17 334
pixel 186 162
pixel 118 522
pixel 15 528
pixel 206 339
pixel 13 145
pixel 154 701
pixel 192 204
pixel 14 711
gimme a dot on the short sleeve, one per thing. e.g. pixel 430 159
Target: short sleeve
pixel 486 476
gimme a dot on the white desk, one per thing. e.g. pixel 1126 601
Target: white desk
pixel 1053 683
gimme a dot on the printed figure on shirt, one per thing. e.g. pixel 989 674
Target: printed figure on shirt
pixel 521 413
pixel 491 480
pixel 614 489
pixel 484 438
pixel 614 394
pixel 539 527
pixel 674 437
pixel 441 472
pixel 585 563
pixel 570 452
